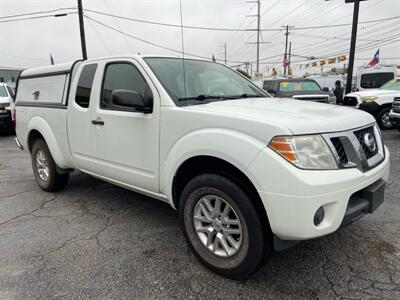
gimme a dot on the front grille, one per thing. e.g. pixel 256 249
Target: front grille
pixel 360 134
pixel 356 148
pixel 396 105
pixel 340 150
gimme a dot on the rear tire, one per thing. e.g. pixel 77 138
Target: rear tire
pixel 45 170
pixel 229 241
pixel 383 118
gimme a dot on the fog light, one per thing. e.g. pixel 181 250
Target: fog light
pixel 319 216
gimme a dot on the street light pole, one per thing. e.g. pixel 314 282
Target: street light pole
pixel 82 30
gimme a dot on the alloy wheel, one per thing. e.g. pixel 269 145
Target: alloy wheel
pixel 217 226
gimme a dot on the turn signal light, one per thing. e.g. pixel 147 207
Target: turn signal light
pixel 283 145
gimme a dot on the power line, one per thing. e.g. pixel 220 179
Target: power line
pixel 100 37
pixel 119 27
pixel 38 12
pixel 149 42
pixel 346 24
pixel 38 17
pixel 173 25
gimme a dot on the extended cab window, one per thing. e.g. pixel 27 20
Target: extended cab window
pixel 122 76
pixel 82 97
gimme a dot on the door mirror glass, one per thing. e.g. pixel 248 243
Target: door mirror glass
pixel 127 98
pixel 325 89
pixel 131 99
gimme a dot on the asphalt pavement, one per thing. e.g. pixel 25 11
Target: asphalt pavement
pixel 94 240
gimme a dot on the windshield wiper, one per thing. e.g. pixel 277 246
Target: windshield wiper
pixel 222 97
pixel 201 97
pixel 245 95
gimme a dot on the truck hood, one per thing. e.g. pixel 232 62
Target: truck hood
pixel 300 117
pixel 375 92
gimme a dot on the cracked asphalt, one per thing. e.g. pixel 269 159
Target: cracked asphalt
pixel 96 240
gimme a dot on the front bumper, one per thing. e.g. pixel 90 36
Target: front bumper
pixel 6 123
pixel 292 196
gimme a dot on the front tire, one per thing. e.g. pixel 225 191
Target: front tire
pixel 222 226
pixel 383 118
pixel 44 168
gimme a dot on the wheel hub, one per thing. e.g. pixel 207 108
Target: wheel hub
pixel 42 166
pixel 217 226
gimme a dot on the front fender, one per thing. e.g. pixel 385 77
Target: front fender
pixel 39 124
pixel 234 147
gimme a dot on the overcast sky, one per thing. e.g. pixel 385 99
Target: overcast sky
pixel 29 43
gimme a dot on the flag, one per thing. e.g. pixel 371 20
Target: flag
pixel 285 61
pixel 51 59
pixel 375 60
pixel 213 58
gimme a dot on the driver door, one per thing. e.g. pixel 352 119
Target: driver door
pixel 126 141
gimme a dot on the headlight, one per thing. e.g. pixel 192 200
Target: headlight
pixel 305 152
pixel 369 98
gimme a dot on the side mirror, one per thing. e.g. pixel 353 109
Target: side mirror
pixel 350 101
pixel 325 89
pixel 132 99
pixel 272 92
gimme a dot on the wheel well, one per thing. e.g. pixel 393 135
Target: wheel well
pixel 34 135
pixel 389 105
pixel 208 164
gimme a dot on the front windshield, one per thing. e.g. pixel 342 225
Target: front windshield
pixel 393 85
pixel 205 81
pixel 298 86
pixel 3 92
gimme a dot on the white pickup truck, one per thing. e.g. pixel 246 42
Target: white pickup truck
pixel 247 172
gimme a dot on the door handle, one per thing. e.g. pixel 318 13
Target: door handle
pixel 98 122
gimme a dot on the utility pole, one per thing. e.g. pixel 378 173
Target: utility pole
pixel 225 53
pixel 352 44
pixel 290 55
pixel 258 30
pixel 285 58
pixel 258 36
pixel 82 30
pixel 356 11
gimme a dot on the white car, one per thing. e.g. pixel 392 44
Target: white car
pixel 7 108
pixel 377 102
pixel 247 172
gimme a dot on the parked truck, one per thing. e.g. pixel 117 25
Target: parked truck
pixel 248 173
